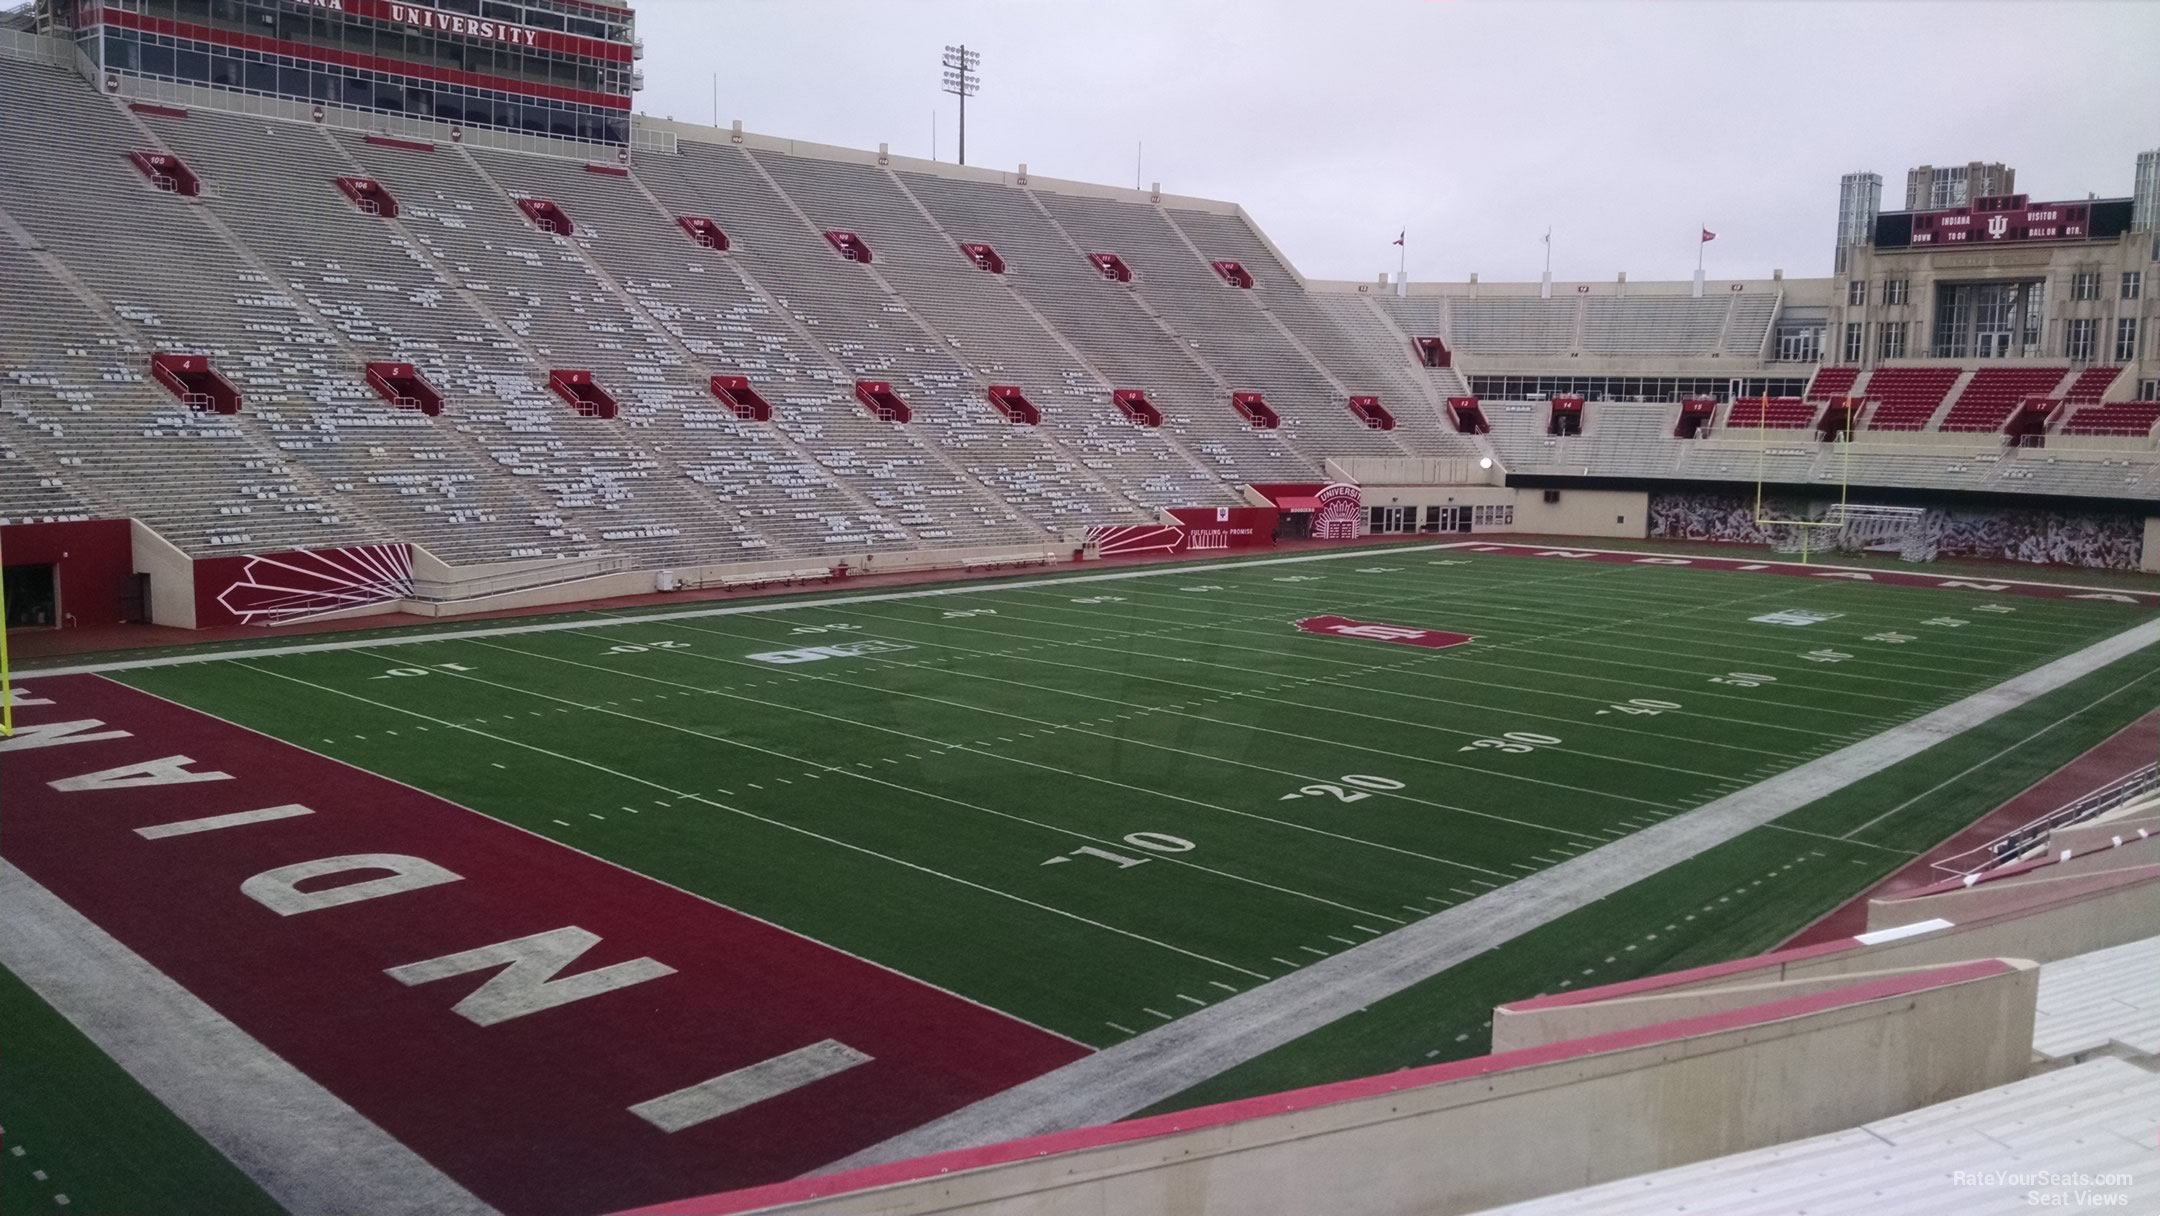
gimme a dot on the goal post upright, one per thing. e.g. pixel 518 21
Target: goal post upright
pixel 1803 527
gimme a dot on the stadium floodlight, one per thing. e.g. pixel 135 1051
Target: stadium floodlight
pixel 1484 462
pixel 963 79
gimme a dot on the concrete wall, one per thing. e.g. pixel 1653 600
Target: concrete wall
pixel 643 582
pixel 172 577
pixel 1413 471
pixel 1500 1136
pixel 2068 918
pixel 1517 1031
pixel 1609 513
pixel 2150 559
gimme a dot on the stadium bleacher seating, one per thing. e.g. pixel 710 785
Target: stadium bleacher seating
pixel 1777 413
pixel 1994 392
pixel 2132 419
pixel 2091 384
pixel 290 280
pixel 1831 383
pixel 1906 398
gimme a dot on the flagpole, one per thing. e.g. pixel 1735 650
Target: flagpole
pixel 1402 258
pixel 1700 228
pixel 1548 251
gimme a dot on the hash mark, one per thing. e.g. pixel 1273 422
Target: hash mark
pixel 1195 1000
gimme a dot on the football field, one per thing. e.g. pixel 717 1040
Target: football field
pixel 1099 807
pixel 1088 808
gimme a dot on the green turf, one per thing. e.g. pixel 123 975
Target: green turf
pixel 80 1127
pixel 898 804
pixel 1074 802
pixel 1942 567
pixel 1737 899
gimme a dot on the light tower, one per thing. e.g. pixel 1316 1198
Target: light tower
pixel 962 79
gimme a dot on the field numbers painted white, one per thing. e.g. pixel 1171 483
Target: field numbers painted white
pixel 1890 636
pixel 1204 587
pixel 1099 599
pixel 1447 561
pixel 1947 622
pixel 634 648
pixel 1379 569
pixel 1995 608
pixel 1743 679
pixel 1796 616
pixel 1297 578
pixel 1640 705
pixel 1378 633
pixel 823 628
pixel 842 650
pixel 1360 782
pixel 1154 842
pixel 1826 656
pixel 966 612
pixel 406 673
pixel 1513 743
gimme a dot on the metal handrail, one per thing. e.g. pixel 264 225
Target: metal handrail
pixel 2010 844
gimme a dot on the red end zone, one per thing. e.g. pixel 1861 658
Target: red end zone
pixel 498 1002
pixel 1376 631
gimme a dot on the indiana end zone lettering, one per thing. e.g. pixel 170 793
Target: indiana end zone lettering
pixel 471 988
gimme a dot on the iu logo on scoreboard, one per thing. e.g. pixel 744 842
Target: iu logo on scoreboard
pixel 1997 227
pixel 1375 631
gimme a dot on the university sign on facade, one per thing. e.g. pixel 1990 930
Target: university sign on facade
pixel 468 27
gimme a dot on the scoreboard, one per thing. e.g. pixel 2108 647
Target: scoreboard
pixel 2002 219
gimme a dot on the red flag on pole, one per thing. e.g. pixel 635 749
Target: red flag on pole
pixel 1708 235
pixel 1399 239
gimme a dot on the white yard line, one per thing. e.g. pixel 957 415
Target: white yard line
pixel 688 614
pixel 687 796
pixel 982 749
pixel 310 1151
pixel 1149 1068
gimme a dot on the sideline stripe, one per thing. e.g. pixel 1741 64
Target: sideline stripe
pixel 1176 570
pixel 301 1143
pixel 1161 1063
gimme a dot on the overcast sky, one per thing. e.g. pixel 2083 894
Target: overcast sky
pixel 1337 123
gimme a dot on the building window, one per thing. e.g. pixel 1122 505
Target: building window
pixel 1853 347
pixel 1893 291
pixel 2085 285
pixel 2126 340
pixel 2132 283
pixel 2079 338
pixel 1856 292
pixel 1890 340
pixel 2149 390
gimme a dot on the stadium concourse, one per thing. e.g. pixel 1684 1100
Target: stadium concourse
pixel 572 662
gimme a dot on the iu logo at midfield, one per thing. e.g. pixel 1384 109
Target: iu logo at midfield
pixel 1375 631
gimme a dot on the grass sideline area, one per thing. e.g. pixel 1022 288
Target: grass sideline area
pixel 1101 806
pixel 109 1147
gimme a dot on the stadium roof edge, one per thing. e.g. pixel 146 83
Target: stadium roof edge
pixel 703 133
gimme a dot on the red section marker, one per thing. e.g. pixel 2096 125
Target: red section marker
pixel 1375 631
pixel 498 1002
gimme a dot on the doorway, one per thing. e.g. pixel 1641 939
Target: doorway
pixel 33 596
